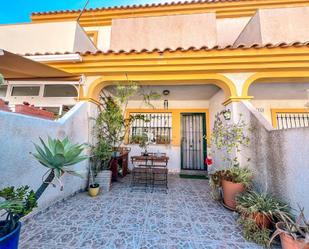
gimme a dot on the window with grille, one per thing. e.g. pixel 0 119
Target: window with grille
pixel 157 126
pixel 292 120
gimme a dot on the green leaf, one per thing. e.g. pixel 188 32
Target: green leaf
pixel 74 173
pixel 59 160
pixel 59 148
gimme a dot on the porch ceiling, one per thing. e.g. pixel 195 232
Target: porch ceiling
pixel 279 90
pixel 183 92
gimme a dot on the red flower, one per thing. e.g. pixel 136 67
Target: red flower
pixel 209 161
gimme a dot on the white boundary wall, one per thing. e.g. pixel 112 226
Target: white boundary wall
pixel 17 134
pixel 279 158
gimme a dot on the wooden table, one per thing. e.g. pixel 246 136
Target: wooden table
pixel 153 159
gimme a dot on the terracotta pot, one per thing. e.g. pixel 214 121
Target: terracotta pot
pixel 262 220
pixel 93 190
pixel 288 242
pixel 230 191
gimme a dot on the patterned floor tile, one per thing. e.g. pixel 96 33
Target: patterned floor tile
pixel 184 218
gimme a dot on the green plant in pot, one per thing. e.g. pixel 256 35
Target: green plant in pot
pixel 229 138
pixel 294 233
pixel 143 141
pixel 113 124
pixel 262 208
pixel 17 202
pixel 102 154
pixel 56 155
pixel 113 121
pixel 93 186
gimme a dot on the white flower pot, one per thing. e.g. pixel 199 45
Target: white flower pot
pixel 104 178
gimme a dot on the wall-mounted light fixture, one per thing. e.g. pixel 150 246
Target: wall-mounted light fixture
pixel 227 114
pixel 165 104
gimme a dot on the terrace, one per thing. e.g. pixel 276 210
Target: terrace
pixel 187 217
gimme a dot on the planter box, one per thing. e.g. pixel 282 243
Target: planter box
pixel 4 106
pixel 104 178
pixel 33 111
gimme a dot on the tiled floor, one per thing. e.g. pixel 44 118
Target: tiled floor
pixel 186 218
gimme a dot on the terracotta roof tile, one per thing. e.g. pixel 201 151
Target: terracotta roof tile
pixel 135 6
pixel 170 50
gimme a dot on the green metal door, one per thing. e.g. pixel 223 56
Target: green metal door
pixel 193 142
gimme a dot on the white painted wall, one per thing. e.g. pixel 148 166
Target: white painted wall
pixel 164 32
pixel 104 36
pixel 82 42
pixel 228 29
pixel 265 106
pixel 215 106
pixel 44 37
pixel 17 134
pixel 173 152
pixel 172 104
pixel 279 158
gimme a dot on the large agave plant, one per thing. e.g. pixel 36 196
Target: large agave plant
pixel 58 156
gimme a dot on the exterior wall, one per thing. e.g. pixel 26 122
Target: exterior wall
pixel 44 37
pixel 276 26
pixel 82 41
pixel 172 104
pixel 173 150
pixel 228 29
pixel 104 36
pixel 17 134
pixel 251 34
pixel 215 106
pixel 195 30
pixel 265 106
pixel 278 158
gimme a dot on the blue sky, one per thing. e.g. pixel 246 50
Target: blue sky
pixel 16 11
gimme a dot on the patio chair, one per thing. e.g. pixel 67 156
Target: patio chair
pixel 141 175
pixel 160 173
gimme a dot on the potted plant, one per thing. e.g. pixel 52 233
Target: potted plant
pixel 262 208
pixel 56 155
pixel 17 203
pixel 215 183
pixel 143 142
pixel 229 138
pixel 112 126
pixel 235 181
pixel 102 155
pixel 294 234
pixel 93 187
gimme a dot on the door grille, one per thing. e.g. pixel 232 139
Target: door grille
pixel 193 143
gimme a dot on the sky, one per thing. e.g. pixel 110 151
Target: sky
pixel 19 11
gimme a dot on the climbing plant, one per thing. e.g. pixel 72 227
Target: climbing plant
pixel 230 137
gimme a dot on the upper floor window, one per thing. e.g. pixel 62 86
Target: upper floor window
pixel 25 91
pixel 60 91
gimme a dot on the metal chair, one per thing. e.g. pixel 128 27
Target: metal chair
pixel 141 174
